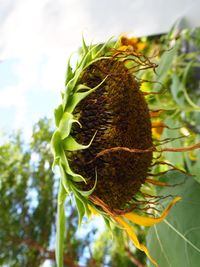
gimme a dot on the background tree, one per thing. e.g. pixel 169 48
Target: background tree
pixel 28 190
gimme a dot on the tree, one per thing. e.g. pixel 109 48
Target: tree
pixel 28 190
pixel 28 199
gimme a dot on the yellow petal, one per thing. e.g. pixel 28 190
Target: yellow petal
pixel 123 48
pixel 192 157
pixel 148 221
pixel 157 129
pixel 156 182
pixel 131 233
pixel 93 211
pixel 141 46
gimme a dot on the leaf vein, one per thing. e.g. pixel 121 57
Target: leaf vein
pixel 182 236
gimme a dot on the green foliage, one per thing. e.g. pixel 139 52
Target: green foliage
pixel 26 189
pixel 176 241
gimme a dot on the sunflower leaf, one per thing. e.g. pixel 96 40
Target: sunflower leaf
pixel 165 63
pixel 181 225
pixel 177 91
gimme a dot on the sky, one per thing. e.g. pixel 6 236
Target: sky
pixel 38 36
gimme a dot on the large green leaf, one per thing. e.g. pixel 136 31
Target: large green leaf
pixel 176 241
pixel 194 166
pixel 165 63
pixel 176 158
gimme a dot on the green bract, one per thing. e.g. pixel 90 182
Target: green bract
pixel 62 140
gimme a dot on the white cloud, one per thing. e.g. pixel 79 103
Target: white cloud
pixel 11 97
pixel 32 31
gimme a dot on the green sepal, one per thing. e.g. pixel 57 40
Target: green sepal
pixel 66 124
pixel 84 46
pixel 69 72
pixel 81 210
pixel 87 59
pixel 74 177
pixel 70 144
pixel 101 50
pixel 58 113
pixel 83 200
pixel 64 179
pixel 72 83
pixel 89 192
pixel 77 97
pixel 107 222
pixel 56 147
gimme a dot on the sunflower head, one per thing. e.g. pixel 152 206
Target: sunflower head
pixel 103 142
pixel 117 114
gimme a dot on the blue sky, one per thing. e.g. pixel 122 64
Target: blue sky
pixel 37 37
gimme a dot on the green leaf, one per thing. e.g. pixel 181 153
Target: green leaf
pixel 81 210
pixel 176 241
pixel 165 63
pixel 60 228
pixel 184 83
pixel 194 166
pixel 177 91
pixel 70 144
pixel 177 158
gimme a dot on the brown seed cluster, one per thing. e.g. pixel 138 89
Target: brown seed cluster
pixel 119 115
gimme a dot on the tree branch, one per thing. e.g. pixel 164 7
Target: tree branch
pixel 133 258
pixel 49 254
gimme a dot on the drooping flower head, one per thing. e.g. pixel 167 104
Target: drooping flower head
pixel 103 143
